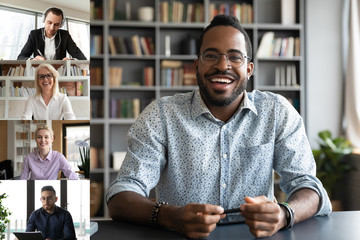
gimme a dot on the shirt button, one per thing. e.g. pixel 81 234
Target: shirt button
pixel 223 185
pixel 225 156
pixel 224 127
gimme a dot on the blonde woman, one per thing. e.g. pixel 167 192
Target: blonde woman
pixel 47 103
pixel 44 163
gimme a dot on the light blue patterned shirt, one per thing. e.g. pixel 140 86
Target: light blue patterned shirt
pixel 179 147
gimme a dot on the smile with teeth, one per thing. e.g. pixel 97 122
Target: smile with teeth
pixel 221 80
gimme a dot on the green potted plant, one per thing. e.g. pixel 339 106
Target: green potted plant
pixel 84 157
pixel 330 162
pixel 4 214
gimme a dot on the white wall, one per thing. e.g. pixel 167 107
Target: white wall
pixel 323 67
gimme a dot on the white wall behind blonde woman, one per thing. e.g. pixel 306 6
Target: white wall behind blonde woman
pixel 75 9
pixel 323 67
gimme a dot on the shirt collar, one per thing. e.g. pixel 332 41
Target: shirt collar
pixel 50 38
pixel 56 210
pixel 199 107
pixel 48 157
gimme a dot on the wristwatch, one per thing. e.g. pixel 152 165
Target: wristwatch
pixel 290 214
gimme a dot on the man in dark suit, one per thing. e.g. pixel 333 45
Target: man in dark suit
pixel 50 42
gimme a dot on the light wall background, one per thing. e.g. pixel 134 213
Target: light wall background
pixel 323 67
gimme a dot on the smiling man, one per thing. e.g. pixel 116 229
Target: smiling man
pixel 52 221
pixel 216 148
pixel 51 42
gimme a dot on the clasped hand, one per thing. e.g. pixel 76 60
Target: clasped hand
pixel 263 217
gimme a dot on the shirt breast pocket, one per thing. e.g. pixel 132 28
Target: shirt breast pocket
pixel 255 164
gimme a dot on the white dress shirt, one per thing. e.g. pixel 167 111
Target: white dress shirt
pixel 50 49
pixel 58 108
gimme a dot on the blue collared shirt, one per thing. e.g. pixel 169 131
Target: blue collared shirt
pixel 58 225
pixel 179 147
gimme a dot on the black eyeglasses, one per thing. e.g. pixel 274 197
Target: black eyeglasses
pixel 211 58
pixel 48 76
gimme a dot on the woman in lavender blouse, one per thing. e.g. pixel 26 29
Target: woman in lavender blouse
pixel 44 163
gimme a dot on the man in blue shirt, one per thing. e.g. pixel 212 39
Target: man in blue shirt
pixel 216 148
pixel 54 222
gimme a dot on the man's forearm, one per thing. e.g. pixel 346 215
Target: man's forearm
pixel 305 203
pixel 130 206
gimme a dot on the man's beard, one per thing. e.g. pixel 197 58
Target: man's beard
pixel 220 102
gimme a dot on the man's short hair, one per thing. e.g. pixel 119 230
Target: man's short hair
pixel 227 20
pixel 48 188
pixel 54 10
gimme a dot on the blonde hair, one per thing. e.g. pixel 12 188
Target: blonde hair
pixel 55 77
pixel 45 127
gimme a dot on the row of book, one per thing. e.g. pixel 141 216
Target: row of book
pixel 176 11
pixel 119 10
pixel 115 77
pixel 74 71
pixel 131 45
pixel 242 11
pixel 21 91
pixel 286 76
pixel 271 46
pixel 124 108
pixel 24 150
pixel 177 73
pixel 96 10
pixel 127 108
pixel 14 71
pixel 25 135
pixel 21 71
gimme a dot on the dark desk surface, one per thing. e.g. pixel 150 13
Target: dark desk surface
pixel 337 226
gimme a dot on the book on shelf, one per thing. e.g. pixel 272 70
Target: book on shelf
pixel 96 10
pixel 286 76
pixel 96 44
pixel 177 11
pixel 97 108
pixel 177 73
pixel 148 76
pixel 96 158
pixel 16 71
pixel 138 45
pixel 115 76
pixel 271 46
pixel 96 76
pixel 242 11
pixel 125 108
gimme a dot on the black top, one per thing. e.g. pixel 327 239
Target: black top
pixel 58 225
pixel 63 43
